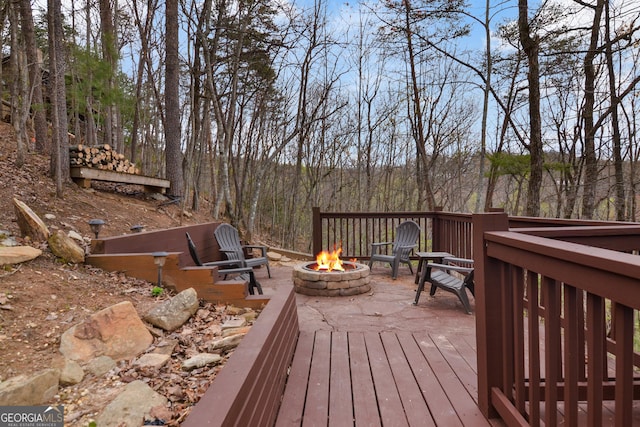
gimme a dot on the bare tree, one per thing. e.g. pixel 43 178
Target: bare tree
pixel 34 61
pixel 57 60
pixel 19 89
pixel 531 45
pixel 172 131
pixel 591 160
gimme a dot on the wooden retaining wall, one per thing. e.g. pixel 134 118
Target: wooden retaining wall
pixel 249 388
pixel 131 254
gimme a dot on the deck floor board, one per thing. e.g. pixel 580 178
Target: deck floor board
pixel 380 378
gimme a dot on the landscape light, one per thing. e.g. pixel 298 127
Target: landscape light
pixel 96 225
pixel 159 259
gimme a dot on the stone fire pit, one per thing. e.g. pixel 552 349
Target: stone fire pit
pixel 354 280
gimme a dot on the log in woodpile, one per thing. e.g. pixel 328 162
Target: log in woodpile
pixel 100 157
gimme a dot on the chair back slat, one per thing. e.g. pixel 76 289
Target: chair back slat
pixel 407 234
pixel 192 250
pixel 229 241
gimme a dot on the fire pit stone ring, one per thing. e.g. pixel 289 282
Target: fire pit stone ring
pixel 353 281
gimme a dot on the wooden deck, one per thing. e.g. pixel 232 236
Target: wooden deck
pixel 382 378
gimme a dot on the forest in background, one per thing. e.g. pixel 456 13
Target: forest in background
pixel 258 110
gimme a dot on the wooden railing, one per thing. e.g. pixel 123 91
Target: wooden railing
pixel 556 302
pixel 555 322
pixel 356 231
pixel 441 231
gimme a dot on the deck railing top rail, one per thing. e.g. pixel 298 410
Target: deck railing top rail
pixel 565 311
pixel 593 269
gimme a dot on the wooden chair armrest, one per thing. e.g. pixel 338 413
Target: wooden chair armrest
pixel 457 268
pixel 223 263
pixel 262 248
pixel 381 243
pixel 458 260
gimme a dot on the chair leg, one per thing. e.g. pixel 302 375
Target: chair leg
pixel 268 272
pixel 409 264
pixel 394 268
pixel 420 286
pixel 432 292
pixel 253 283
pixel 464 299
pixel 259 287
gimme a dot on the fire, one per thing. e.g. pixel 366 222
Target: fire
pixel 329 261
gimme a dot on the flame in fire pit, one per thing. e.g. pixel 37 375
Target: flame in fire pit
pixel 329 261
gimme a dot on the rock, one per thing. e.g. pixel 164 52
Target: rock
pixel 66 248
pixel 18 254
pixel 100 365
pixel 49 216
pixel 200 360
pixel 30 224
pixel 116 331
pixel 235 331
pixel 234 323
pixel 27 391
pixel 227 343
pixel 173 313
pixel 274 256
pixel 232 310
pixel 152 360
pixel 72 373
pixel 129 409
pixel 75 236
pixel 250 316
pixel 166 346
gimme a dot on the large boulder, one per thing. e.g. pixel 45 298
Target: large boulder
pixel 173 313
pixel 66 248
pixel 29 390
pixel 136 402
pixel 18 254
pixel 116 331
pixel 30 224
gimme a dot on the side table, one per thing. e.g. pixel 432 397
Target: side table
pixel 429 256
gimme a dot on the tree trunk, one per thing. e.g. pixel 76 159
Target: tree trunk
pixel 109 53
pixel 485 109
pixel 591 161
pixel 35 79
pixel 531 46
pixel 620 200
pixel 424 180
pixel 60 154
pixel 19 89
pixel 173 153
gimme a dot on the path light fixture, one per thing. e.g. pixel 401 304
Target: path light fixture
pixel 137 228
pixel 159 259
pixel 96 225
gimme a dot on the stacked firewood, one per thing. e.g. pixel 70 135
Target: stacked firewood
pixel 100 157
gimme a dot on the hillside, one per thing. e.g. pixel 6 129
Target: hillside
pixel 41 299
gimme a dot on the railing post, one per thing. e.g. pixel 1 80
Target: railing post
pixel 488 299
pixel 436 230
pixel 316 234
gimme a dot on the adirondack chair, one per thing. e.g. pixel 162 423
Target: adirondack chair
pixel 444 276
pixel 229 242
pixel 244 273
pixel 405 242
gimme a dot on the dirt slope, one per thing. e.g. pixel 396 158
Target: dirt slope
pixel 41 299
